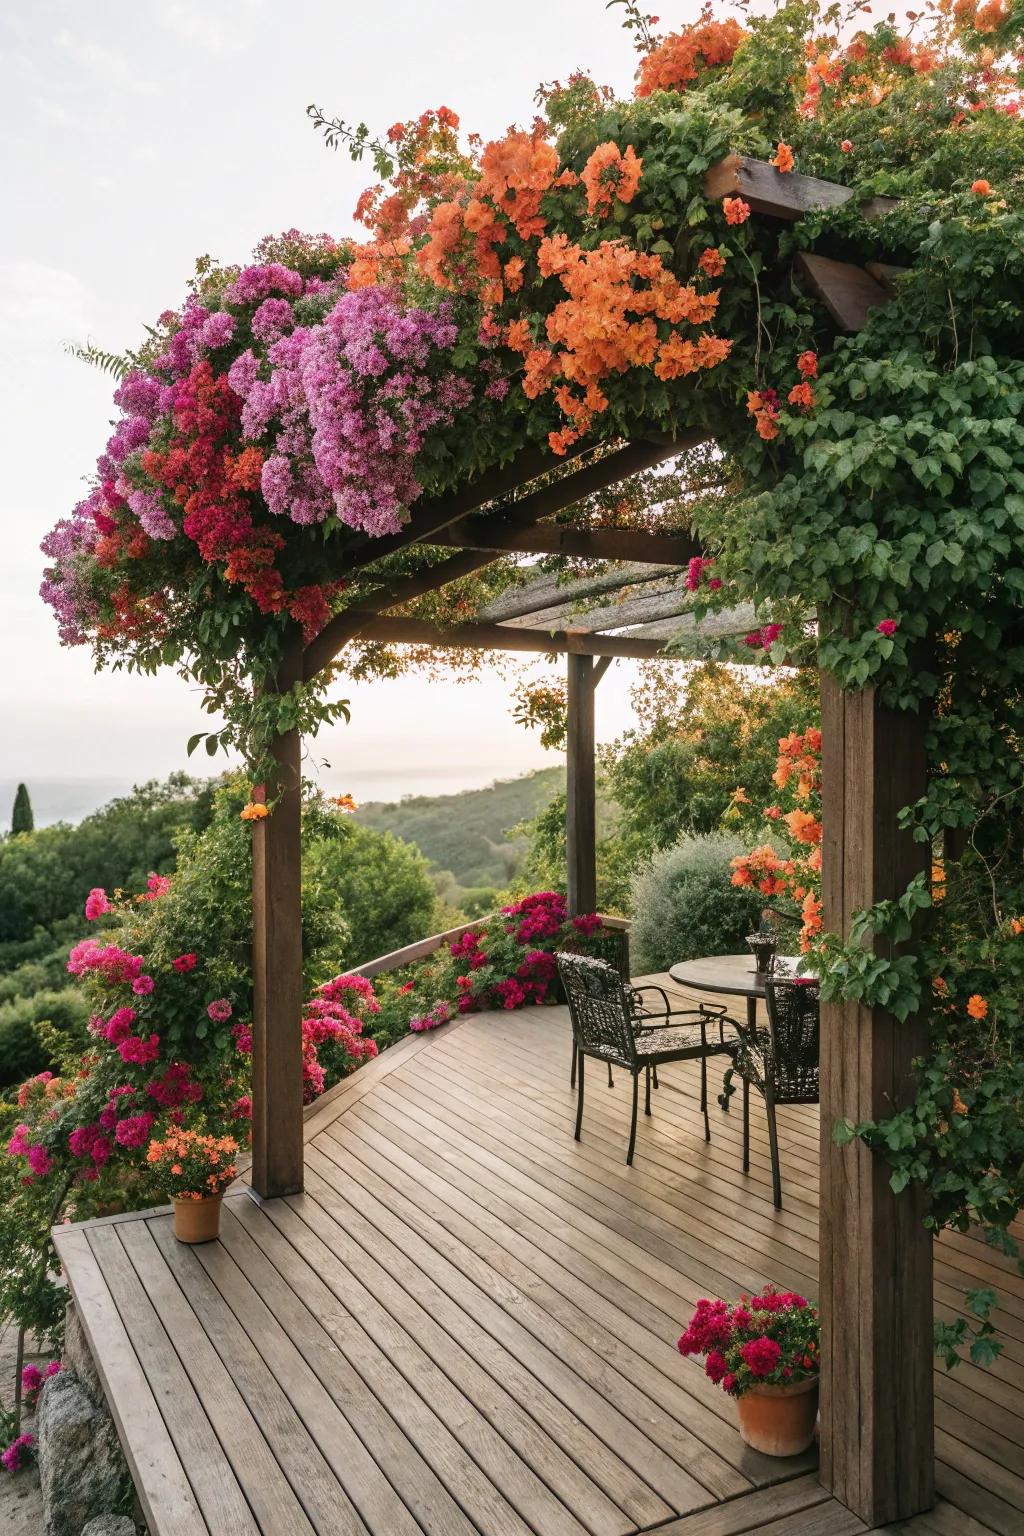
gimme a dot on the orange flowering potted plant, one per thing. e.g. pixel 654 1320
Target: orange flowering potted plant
pixel 195 1170
pixel 765 1352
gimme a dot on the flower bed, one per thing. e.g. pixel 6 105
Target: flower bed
pixel 505 962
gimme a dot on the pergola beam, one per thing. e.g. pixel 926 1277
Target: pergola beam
pixel 431 521
pixel 628 544
pixel 496 637
pixel 848 292
pixel 781 195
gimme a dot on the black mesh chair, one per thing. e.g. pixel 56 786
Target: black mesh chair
pixel 781 1060
pixel 606 1025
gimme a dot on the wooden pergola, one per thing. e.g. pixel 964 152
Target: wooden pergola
pixel 876 1255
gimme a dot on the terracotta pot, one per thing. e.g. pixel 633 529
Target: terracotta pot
pixel 197 1221
pixel 779 1421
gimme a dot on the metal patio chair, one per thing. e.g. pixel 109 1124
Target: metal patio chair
pixel 606 1025
pixel 616 946
pixel 781 1060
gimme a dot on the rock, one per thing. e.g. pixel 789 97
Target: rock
pixel 109 1525
pixel 81 1469
pixel 77 1356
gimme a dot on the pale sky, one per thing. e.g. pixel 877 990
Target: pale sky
pixel 136 135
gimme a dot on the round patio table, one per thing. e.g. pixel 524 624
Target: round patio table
pixel 732 976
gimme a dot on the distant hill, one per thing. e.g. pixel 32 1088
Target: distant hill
pixel 467 833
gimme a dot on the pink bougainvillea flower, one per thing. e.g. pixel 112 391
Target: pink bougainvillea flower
pixel 142 986
pixel 888 628
pixel 184 963
pixel 96 903
pixel 16 1454
pixel 220 1010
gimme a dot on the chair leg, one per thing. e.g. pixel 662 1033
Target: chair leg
pixel 572 1073
pixel 579 1093
pixel 647 1090
pixel 611 1080
pixel 654 1078
pixel 704 1097
pixel 632 1126
pixel 773 1143
pixel 746 1126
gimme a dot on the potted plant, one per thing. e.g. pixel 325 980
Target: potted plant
pixel 195 1170
pixel 764 1351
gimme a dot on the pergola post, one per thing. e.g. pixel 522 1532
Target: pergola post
pixel 580 788
pixel 875 1289
pixel 277 1142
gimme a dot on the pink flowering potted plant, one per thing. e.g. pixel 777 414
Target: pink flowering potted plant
pixel 195 1171
pixel 765 1352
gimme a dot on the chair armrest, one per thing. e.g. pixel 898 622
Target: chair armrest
pixel 636 997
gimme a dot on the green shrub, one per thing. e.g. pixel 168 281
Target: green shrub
pixel 21 1053
pixel 381 885
pixel 684 905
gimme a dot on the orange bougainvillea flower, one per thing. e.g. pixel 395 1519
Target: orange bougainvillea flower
pixel 783 158
pixel 676 62
pixel 846 146
pixel 807 365
pixel 516 172
pixel 801 395
pixel 763 405
pixel 736 210
pixel 981 187
pixel 344 803
pixel 609 175
pixel 253 811
pixel 608 323
pixel 977 1007
pixel 513 274
pixel 803 827
pixel 711 262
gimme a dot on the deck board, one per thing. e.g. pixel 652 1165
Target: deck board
pixel 466 1324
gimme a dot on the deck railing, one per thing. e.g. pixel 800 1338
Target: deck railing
pixel 424 947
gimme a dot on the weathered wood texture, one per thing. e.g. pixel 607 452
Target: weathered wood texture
pixel 876 1256
pixel 498 637
pixel 520 513
pixel 580 788
pixel 587 543
pixel 277 971
pixel 786 195
pixel 467 1322
pixel 849 293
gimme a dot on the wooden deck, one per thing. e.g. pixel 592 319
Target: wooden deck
pixel 467 1323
